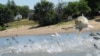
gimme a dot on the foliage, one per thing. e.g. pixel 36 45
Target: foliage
pixel 12 6
pixel 74 8
pixel 2 19
pixel 44 13
pixel 83 7
pixel 23 10
pixel 5 15
pixel 94 5
pixel 60 11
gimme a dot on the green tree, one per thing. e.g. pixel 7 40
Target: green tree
pixel 44 13
pixel 23 10
pixel 2 8
pixel 60 11
pixel 94 5
pixel 12 6
pixel 83 7
pixel 8 15
pixel 72 8
pixel 5 15
pixel 76 8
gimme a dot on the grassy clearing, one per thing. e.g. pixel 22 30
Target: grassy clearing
pixel 22 22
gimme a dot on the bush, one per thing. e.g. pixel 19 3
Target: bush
pixel 2 28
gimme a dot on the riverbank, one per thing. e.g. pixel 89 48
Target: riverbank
pixel 30 30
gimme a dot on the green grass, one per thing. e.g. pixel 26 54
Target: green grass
pixel 2 28
pixel 22 22
pixel 25 22
pixel 65 23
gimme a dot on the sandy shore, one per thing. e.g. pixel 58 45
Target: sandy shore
pixel 25 30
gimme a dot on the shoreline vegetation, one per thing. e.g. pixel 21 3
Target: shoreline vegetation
pixel 29 28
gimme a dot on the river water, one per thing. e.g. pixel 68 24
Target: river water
pixel 64 44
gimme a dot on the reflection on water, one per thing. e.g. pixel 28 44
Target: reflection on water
pixel 64 44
